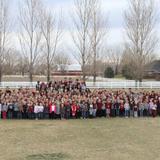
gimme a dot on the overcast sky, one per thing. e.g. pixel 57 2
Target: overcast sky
pixel 114 9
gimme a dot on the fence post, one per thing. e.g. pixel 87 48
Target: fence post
pixel 111 85
pixel 151 85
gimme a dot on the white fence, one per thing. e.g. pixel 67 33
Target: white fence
pixel 112 85
pixel 124 84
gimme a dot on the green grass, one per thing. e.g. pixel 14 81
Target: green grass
pixel 98 139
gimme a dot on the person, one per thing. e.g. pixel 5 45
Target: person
pixel 36 110
pixel 4 110
pixel 131 104
pixel 154 109
pixel 99 108
pixel 10 110
pixel 58 111
pixel 52 110
pixel 40 110
pixel 84 109
pixel 30 111
pixel 94 108
pixel 122 110
pixel 108 108
pixel 62 110
pixel 136 110
pixel 103 109
pixel 90 110
pixel 141 108
pixel 67 110
pixel 116 106
pixel 78 111
pixel 46 111
pixel 146 108
pixel 158 106
pixel 0 108
pixel 15 110
pixel 24 111
pixel 74 109
pixel 127 108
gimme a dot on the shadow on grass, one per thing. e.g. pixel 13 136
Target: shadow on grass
pixel 53 156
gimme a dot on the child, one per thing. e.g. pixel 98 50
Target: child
pixel 0 109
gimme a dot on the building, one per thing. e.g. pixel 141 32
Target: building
pixel 68 70
pixel 153 70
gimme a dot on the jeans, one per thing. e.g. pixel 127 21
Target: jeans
pixel 84 114
pixel 94 112
pixel 10 114
pixel 141 112
pixel 131 113
pixel 126 113
pixel 117 112
pixel 135 114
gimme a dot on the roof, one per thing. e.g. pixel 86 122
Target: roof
pixel 72 67
pixel 154 66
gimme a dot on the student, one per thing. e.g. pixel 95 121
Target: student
pixel 131 104
pixel 154 109
pixel 30 111
pixel 4 110
pixel 25 108
pixel 40 110
pixel 74 110
pixel 94 109
pixel 15 110
pixel 46 111
pixel 151 104
pixel 90 110
pixel 99 108
pixel 158 106
pixel 136 110
pixel 117 107
pixel 67 110
pixel 36 110
pixel 103 109
pixel 58 111
pixel 78 111
pixel 108 108
pixel 122 110
pixel 141 108
pixel 127 108
pixel 10 110
pixel 0 109
pixel 62 111
pixel 84 110
pixel 52 110
pixel 146 108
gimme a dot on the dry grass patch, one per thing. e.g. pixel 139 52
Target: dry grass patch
pixel 98 139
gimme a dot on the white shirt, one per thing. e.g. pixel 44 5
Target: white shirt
pixel 0 107
pixel 38 109
pixel 126 106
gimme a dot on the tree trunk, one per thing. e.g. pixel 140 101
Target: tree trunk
pixel 48 73
pixel 94 69
pixel 0 73
pixel 31 73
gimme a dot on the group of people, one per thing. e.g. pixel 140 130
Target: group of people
pixel 71 99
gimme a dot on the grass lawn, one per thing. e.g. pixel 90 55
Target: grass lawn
pixel 98 139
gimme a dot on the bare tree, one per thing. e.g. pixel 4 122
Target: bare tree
pixel 52 32
pixel 30 35
pixel 98 26
pixel 81 20
pixel 114 57
pixel 140 20
pixel 4 26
